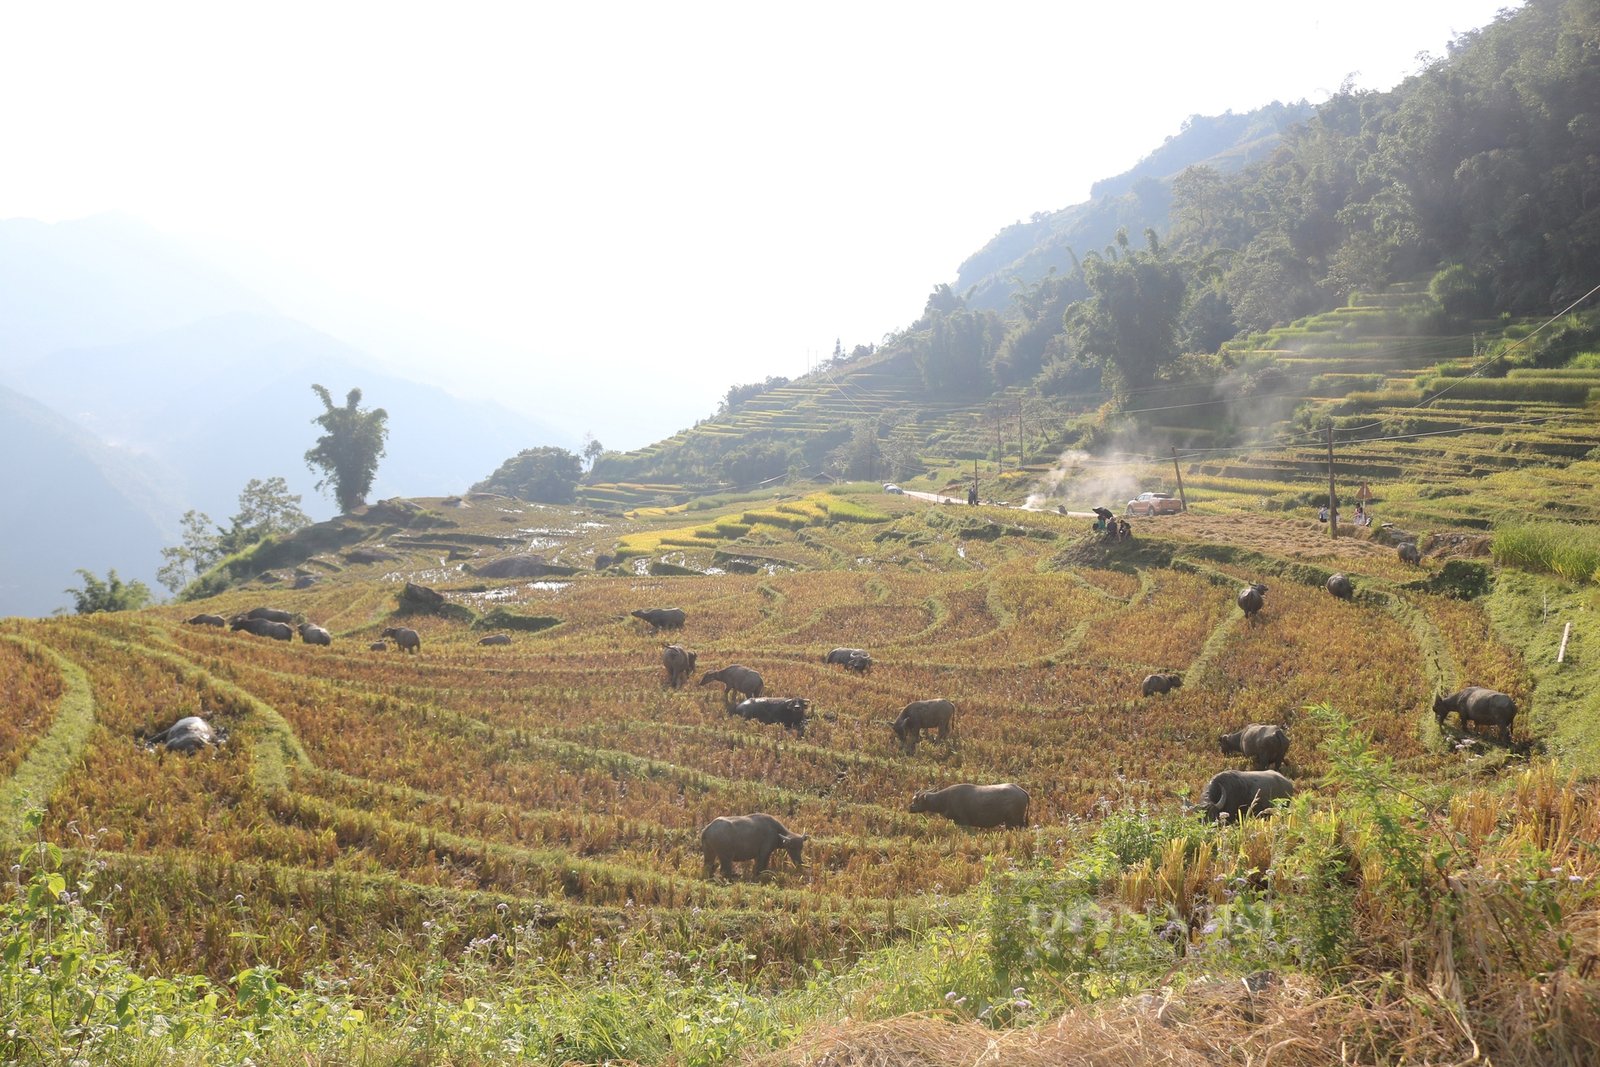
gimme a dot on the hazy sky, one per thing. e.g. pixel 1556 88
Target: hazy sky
pixel 659 198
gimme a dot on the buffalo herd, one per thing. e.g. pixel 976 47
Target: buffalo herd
pixel 1229 794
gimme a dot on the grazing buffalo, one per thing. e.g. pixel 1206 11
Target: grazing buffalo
pixel 739 680
pixel 315 635
pixel 662 618
pixel 1230 794
pixel 1160 683
pixel 378 646
pixel 602 561
pixel 404 638
pixel 920 715
pixel 679 662
pixel 206 620
pixel 189 734
pixel 1477 704
pixel 747 837
pixel 1407 551
pixel 860 664
pixel 1265 744
pixel 1341 586
pixel 788 712
pixel 270 614
pixel 844 655
pixel 278 631
pixel 976 805
pixel 1251 599
pixel 495 639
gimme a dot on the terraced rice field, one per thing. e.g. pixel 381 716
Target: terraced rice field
pixel 557 786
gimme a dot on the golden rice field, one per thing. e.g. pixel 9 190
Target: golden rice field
pixel 557 784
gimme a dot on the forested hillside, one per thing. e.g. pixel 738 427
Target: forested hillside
pixel 1463 201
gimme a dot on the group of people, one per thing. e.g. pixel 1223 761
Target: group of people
pixel 1113 529
pixel 1363 516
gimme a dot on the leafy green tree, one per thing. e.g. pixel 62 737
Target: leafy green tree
pixel 547 475
pixel 348 451
pixel 1130 322
pixel 265 508
pixel 112 594
pixel 592 451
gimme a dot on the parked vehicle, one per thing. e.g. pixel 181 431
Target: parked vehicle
pixel 1154 504
pixel 890 487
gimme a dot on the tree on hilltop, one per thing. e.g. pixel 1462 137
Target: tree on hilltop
pixel 265 508
pixel 546 475
pixel 347 453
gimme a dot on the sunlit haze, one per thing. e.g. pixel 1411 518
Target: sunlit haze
pixel 605 214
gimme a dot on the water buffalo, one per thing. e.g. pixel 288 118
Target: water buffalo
pixel 314 635
pixel 747 837
pixel 404 638
pixel 1265 744
pixel 976 805
pixel 1477 704
pixel 1160 683
pixel 1251 598
pixel 1341 586
pixel 278 631
pixel 206 620
pixel 189 734
pixel 662 618
pixel 679 662
pixel 920 715
pixel 788 712
pixel 844 655
pixel 1230 794
pixel 495 639
pixel 378 646
pixel 739 680
pixel 860 664
pixel 270 614
pixel 1407 551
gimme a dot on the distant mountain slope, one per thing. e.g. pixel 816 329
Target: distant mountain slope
pixel 1138 198
pixel 70 502
pixel 227 399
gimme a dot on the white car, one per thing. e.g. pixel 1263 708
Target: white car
pixel 1154 504
pixel 890 487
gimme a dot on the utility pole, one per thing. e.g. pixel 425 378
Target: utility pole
pixel 1333 502
pixel 1179 474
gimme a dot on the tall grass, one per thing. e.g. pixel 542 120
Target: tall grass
pixel 1564 549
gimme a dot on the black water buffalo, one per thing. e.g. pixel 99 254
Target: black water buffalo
pixel 738 679
pixel 976 805
pixel 1251 598
pixel 495 639
pixel 1265 744
pixel 206 620
pixel 188 734
pixel 270 614
pixel 278 631
pixel 679 662
pixel 747 837
pixel 315 635
pixel 844 655
pixel 662 618
pixel 404 638
pixel 788 712
pixel 1230 794
pixel 1160 683
pixel 1477 704
pixel 920 715
pixel 1341 586
pixel 1408 553
pixel 378 646
pixel 860 664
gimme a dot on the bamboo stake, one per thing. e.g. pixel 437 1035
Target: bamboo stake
pixel 1565 632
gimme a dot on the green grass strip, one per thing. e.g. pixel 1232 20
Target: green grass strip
pixel 51 758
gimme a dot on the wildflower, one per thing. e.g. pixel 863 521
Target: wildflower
pixel 1209 928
